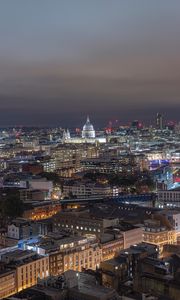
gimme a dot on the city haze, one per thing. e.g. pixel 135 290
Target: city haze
pixel 62 60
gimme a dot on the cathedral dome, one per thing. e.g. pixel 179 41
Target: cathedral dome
pixel 88 130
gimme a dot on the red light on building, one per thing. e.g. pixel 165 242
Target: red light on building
pixel 108 130
pixel 78 130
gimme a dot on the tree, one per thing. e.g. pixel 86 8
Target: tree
pixel 51 176
pixel 92 176
pixel 12 206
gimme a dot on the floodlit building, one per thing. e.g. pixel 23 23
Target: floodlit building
pixel 156 234
pixel 7 282
pixel 88 135
pixel 69 252
pixel 88 131
pixel 28 267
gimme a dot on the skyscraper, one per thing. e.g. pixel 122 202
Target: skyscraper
pixel 159 121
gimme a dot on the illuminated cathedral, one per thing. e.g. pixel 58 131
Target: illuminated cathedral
pixel 88 131
pixel 88 135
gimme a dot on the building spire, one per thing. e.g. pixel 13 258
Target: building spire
pixel 87 121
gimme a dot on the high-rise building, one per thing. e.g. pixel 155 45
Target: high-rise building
pixel 159 121
pixel 135 124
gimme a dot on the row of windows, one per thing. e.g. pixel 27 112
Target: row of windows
pixel 7 293
pixel 169 195
pixel 80 227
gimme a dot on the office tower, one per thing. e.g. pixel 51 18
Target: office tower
pixel 159 121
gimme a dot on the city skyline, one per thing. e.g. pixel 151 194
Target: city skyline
pixel 112 123
pixel 89 149
pixel 60 62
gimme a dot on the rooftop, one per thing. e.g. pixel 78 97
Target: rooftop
pixel 20 257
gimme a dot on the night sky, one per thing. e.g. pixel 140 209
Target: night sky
pixel 112 59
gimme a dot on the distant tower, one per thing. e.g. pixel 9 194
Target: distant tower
pixel 88 131
pixel 135 124
pixel 159 121
pixel 66 135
